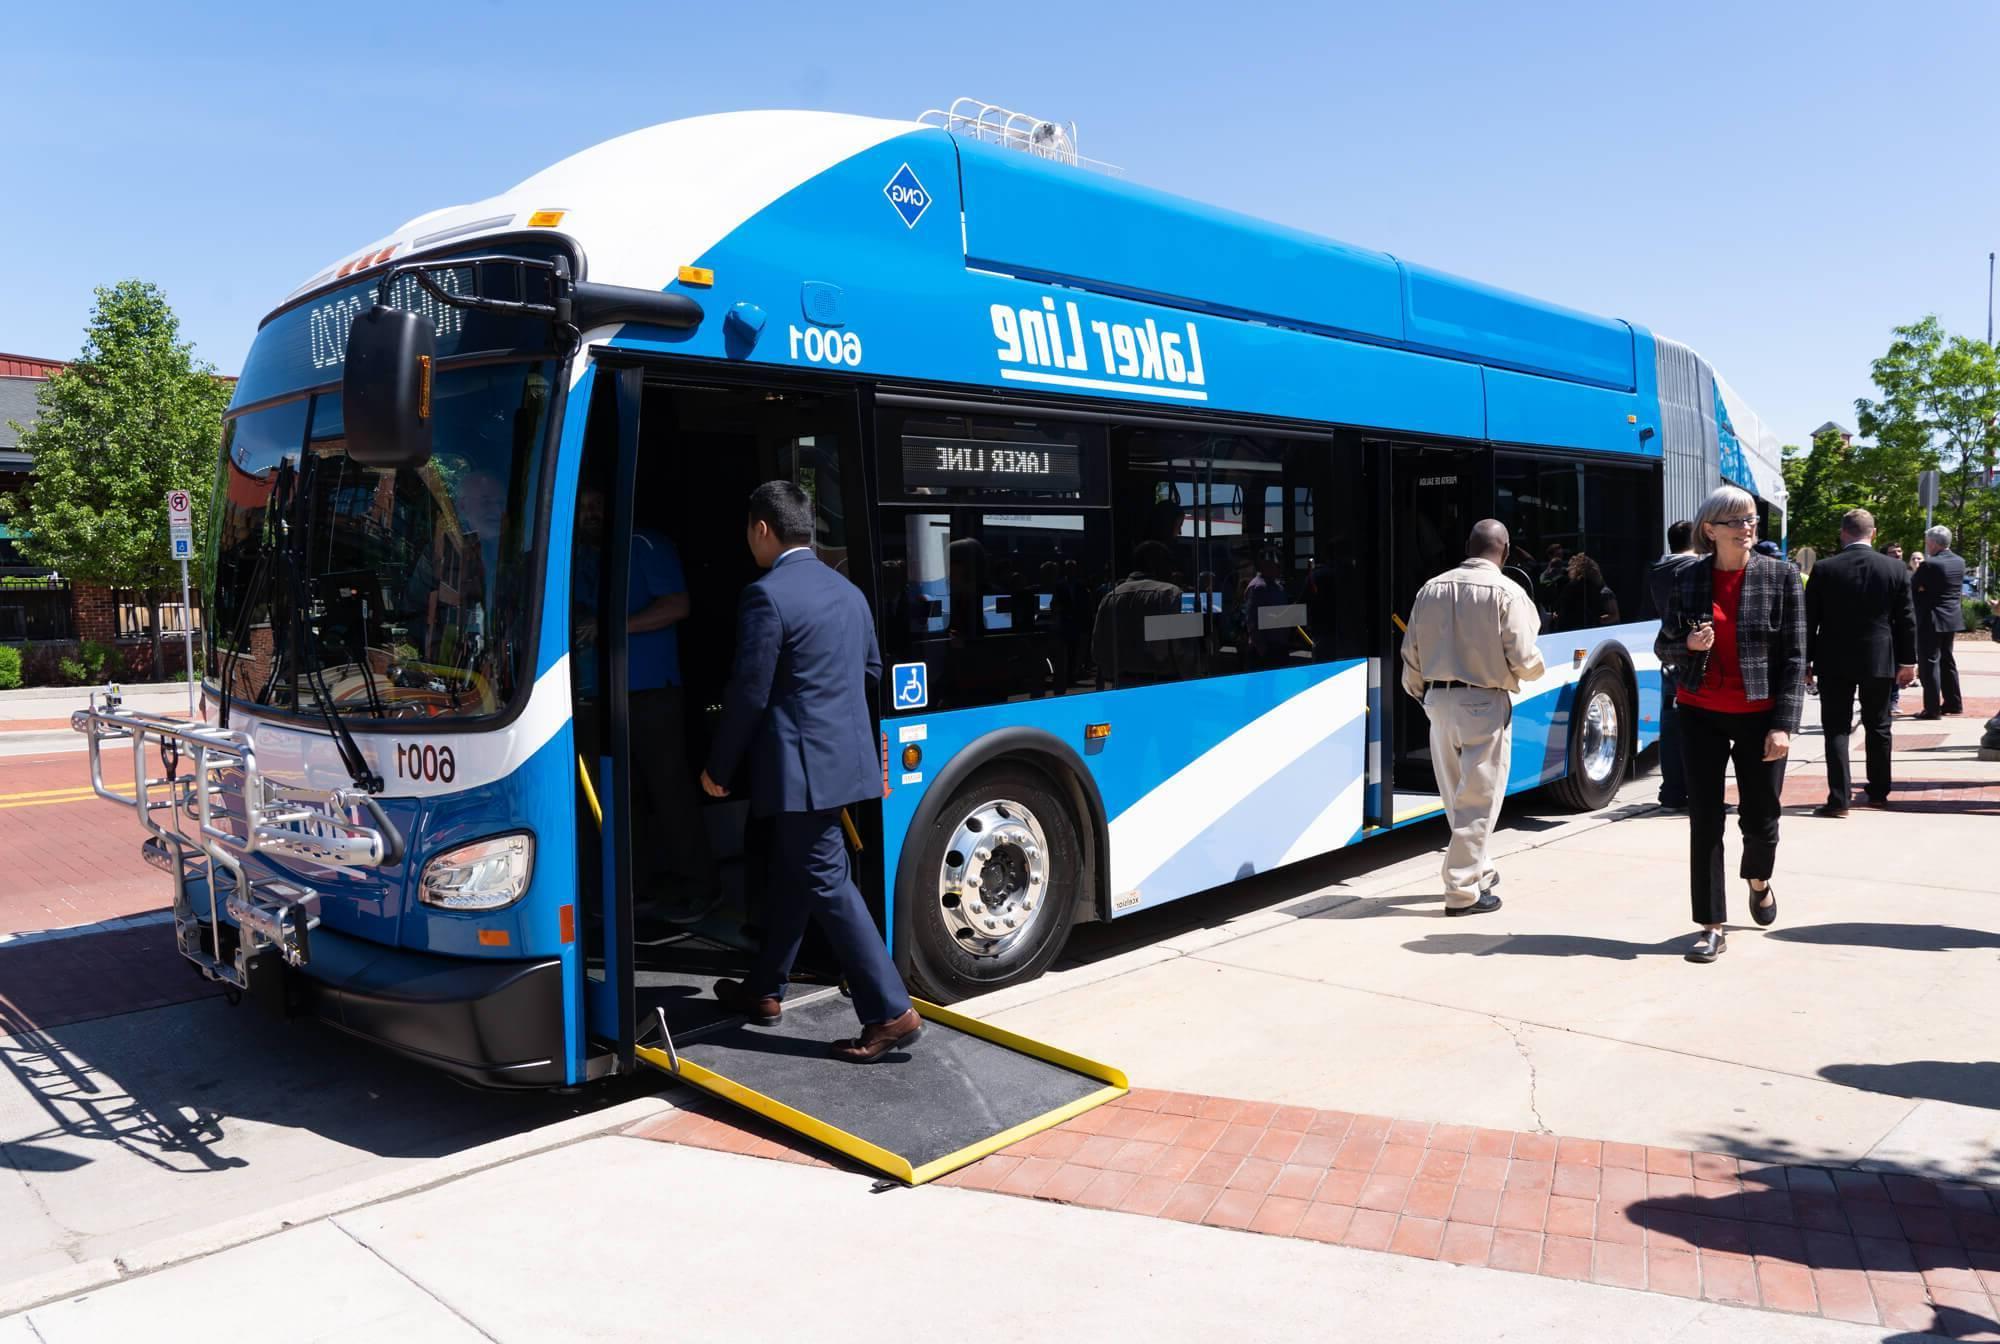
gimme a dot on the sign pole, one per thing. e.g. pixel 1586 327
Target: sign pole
pixel 180 532
pixel 187 629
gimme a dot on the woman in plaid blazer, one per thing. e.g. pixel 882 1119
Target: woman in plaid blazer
pixel 1734 636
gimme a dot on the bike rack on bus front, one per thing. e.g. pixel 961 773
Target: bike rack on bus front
pixel 314 825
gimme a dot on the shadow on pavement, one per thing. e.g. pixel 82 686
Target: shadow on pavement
pixel 1962 1083
pixel 1843 1222
pixel 1543 945
pixel 187 1089
pixel 1902 937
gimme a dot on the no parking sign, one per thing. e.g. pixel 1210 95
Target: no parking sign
pixel 180 523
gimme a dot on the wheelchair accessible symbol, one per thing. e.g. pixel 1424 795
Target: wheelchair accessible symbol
pixel 912 683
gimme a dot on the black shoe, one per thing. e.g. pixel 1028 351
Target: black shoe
pixel 1673 804
pixel 1492 884
pixel 1765 914
pixel 1881 801
pixel 1830 810
pixel 1487 903
pixel 1709 946
pixel 1927 715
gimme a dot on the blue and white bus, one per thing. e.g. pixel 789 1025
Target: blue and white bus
pixel 1137 488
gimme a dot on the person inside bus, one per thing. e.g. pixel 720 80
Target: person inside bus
pixel 1267 647
pixel 1124 652
pixel 1584 600
pixel 676 870
pixel 799 714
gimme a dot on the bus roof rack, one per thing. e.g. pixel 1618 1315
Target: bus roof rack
pixel 1009 129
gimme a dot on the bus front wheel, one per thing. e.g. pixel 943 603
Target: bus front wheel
pixel 1600 742
pixel 999 877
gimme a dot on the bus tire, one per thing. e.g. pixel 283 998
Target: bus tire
pixel 1600 741
pixel 1005 847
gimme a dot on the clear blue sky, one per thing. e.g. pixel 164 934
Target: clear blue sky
pixel 1775 184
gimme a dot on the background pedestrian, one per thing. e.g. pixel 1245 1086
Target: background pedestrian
pixel 1936 588
pixel 1861 639
pixel 1660 587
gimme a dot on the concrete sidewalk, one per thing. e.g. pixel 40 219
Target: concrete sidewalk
pixel 620 1239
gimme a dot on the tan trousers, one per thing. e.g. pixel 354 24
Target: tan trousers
pixel 1471 742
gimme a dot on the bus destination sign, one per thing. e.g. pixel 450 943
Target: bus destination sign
pixel 983 464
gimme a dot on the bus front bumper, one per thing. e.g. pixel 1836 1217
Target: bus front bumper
pixel 492 1023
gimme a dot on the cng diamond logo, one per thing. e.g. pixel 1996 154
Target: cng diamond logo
pixel 908 196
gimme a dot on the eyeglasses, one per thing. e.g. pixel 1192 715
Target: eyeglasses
pixel 1747 520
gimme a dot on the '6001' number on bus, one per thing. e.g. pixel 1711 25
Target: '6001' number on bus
pixel 431 764
pixel 827 347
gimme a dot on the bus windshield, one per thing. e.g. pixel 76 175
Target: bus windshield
pixel 394 593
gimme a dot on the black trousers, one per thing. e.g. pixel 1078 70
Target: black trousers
pixel 1836 717
pixel 672 857
pixel 808 880
pixel 1673 776
pixel 1937 669
pixel 1710 742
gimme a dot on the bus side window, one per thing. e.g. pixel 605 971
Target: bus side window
pixel 991 530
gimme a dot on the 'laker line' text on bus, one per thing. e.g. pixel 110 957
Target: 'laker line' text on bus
pixel 1056 339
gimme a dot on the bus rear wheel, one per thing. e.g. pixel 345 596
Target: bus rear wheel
pixel 1600 742
pixel 997 886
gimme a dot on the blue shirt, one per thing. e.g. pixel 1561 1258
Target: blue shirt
pixel 653 657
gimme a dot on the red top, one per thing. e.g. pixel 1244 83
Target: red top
pixel 1721 688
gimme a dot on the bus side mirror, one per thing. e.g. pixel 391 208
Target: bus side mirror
pixel 385 390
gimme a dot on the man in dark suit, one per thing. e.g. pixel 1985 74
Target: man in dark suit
pixel 1861 638
pixel 1938 585
pixel 1660 586
pixel 799 708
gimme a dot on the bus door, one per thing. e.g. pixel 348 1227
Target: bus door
pixel 689 866
pixel 1437 492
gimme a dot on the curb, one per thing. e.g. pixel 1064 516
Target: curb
pixel 83 692
pixel 90 1275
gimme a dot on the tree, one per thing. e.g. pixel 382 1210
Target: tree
pixel 132 418
pixel 1939 410
pixel 1821 484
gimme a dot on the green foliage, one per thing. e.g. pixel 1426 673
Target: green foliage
pixel 1821 484
pixel 10 668
pixel 1939 410
pixel 133 417
pixel 89 666
pixel 1978 611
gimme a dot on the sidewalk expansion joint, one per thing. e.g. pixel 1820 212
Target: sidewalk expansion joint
pixel 408 1278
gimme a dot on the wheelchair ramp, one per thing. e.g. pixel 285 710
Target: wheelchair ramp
pixel 963 1090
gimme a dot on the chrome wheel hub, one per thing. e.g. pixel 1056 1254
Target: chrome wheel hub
pixel 994 882
pixel 1600 737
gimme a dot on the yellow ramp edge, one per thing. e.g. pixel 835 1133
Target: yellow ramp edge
pixel 879 1158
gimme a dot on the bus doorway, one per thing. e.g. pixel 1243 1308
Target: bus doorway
pixel 1437 492
pixel 690 866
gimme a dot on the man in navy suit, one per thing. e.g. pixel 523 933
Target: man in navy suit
pixel 799 709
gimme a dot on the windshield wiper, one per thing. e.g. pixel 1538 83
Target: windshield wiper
pixel 305 631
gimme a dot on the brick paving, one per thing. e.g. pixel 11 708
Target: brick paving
pixel 1879 1249
pixel 69 857
pixel 1806 788
pixel 50 982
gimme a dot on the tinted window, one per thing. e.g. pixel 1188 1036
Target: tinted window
pixel 1582 536
pixel 994 536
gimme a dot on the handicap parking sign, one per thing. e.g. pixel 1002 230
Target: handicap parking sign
pixel 912 685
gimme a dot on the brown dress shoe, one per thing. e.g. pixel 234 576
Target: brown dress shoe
pixel 878 1040
pixel 762 1009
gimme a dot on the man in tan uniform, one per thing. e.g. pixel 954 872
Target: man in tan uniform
pixel 1470 645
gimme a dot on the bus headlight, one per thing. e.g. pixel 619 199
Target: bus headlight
pixel 484 875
